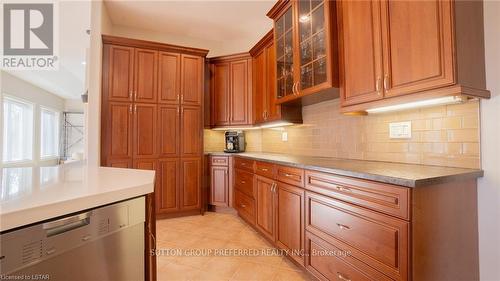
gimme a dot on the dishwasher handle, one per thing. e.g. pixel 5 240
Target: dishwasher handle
pixel 66 224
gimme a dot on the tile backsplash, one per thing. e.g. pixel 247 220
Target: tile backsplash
pixel 443 135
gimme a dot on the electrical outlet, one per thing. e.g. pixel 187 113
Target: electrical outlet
pixel 400 130
pixel 284 136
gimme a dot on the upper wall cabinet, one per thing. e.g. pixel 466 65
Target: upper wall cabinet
pixel 399 51
pixel 264 86
pixel 231 90
pixel 305 38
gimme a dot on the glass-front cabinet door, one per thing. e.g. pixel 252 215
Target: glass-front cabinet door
pixel 306 47
pixel 284 53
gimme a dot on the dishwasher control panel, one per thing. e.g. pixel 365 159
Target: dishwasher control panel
pixel 28 246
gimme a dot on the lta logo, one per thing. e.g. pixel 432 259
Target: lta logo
pixel 28 40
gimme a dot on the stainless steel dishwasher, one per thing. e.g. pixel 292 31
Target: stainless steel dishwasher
pixel 106 243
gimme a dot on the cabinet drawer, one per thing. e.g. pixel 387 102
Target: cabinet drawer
pixel 290 175
pixel 264 169
pixel 385 198
pixel 244 164
pixel 331 262
pixel 243 181
pixel 219 160
pixel 380 239
pixel 245 206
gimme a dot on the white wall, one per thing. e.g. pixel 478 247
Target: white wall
pixel 489 185
pixel 99 24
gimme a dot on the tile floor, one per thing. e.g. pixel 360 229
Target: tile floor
pixel 215 231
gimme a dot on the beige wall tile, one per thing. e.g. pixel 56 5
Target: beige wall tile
pixel 442 135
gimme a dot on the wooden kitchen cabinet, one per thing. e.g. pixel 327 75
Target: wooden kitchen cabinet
pixel 290 219
pixel 145 75
pixel 231 90
pixel 264 86
pixel 145 130
pixel 266 210
pixel 219 186
pixel 169 82
pixel 305 38
pixel 412 50
pixel 117 139
pixel 152 113
pixel 191 170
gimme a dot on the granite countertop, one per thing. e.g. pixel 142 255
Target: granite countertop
pixel 409 175
pixel 33 194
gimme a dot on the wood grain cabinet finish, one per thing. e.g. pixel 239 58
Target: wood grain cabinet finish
pixel 245 206
pixel 290 220
pixel 118 72
pixel 231 90
pixel 169 117
pixel 389 199
pixel 146 76
pixel 219 186
pixel 219 160
pixel 244 164
pixel 169 82
pixel 265 169
pixel 191 80
pixel 118 138
pixel 244 181
pixel 191 131
pixel 290 175
pixel 168 191
pixel 337 266
pixel 413 50
pixel 191 169
pixel 145 130
pixel 305 36
pixel 360 46
pixel 264 86
pixel 380 241
pixel 266 210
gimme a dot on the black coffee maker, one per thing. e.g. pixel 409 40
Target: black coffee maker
pixel 235 141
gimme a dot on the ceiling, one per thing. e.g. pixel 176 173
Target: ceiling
pixel 237 25
pixel 69 81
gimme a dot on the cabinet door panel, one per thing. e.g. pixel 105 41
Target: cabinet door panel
pixel 191 183
pixel 290 219
pixel 145 132
pixel 146 74
pixel 361 51
pixel 219 186
pixel 285 54
pixel 239 93
pixel 145 164
pixel 167 194
pixel 191 80
pixel 120 163
pixel 259 86
pixel 118 131
pixel 169 130
pixel 118 63
pixel 220 94
pixel 191 131
pixel 273 109
pixel 265 207
pixel 418 45
pixel 169 77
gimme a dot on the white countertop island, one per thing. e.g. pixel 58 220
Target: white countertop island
pixel 33 194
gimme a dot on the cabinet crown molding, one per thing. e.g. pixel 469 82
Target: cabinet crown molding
pixel 266 40
pixel 115 40
pixel 277 8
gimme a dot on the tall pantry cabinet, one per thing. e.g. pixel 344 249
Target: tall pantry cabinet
pixel 152 108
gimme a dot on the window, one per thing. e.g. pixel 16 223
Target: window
pixel 17 130
pixel 49 137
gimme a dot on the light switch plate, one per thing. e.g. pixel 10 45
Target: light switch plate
pixel 284 136
pixel 400 130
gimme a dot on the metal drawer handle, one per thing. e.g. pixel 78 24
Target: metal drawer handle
pixel 288 175
pixel 243 182
pixel 243 205
pixel 86 238
pixel 243 164
pixel 264 169
pixel 343 226
pixel 342 277
pixel 51 251
pixel 343 188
